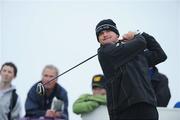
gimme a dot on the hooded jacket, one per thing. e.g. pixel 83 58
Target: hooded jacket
pixel 5 101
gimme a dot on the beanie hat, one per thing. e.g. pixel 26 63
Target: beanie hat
pixel 98 81
pixel 106 24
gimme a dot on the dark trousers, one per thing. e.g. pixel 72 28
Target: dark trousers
pixel 138 111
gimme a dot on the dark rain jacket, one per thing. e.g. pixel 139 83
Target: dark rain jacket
pixel 125 65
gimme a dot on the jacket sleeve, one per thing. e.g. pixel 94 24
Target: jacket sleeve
pixel 124 52
pixel 32 105
pixel 154 53
pixel 66 102
pixel 84 104
pixel 101 99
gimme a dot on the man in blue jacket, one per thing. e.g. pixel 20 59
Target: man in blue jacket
pixel 125 64
pixel 37 105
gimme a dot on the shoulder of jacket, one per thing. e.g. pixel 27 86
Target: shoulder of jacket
pixel 108 48
pixel 61 89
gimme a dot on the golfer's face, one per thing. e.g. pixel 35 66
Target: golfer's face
pixel 48 75
pixel 107 36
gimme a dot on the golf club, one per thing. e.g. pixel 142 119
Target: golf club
pixel 40 87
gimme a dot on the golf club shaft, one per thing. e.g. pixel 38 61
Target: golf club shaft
pixel 70 69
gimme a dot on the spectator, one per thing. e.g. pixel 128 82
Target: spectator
pixel 88 102
pixel 37 105
pixel 10 106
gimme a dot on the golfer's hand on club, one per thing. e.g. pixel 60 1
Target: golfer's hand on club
pixel 128 36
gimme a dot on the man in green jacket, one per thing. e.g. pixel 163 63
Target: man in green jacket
pixel 88 102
